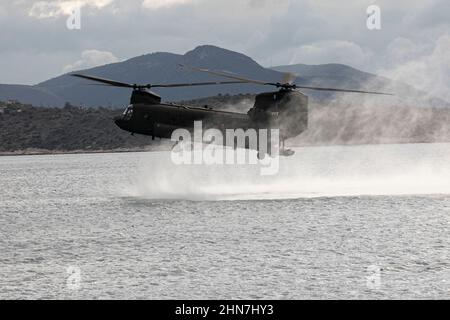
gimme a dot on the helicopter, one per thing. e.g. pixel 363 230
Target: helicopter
pixel 285 109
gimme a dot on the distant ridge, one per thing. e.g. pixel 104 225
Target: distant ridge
pixel 163 67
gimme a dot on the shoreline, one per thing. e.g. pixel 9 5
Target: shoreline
pixel 62 152
pixel 41 152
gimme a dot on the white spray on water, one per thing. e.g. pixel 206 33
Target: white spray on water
pixel 312 172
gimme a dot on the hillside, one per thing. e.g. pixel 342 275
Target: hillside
pixel 25 129
pixel 35 95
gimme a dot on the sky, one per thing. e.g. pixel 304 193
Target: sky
pixel 414 38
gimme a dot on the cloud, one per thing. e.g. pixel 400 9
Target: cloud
pixel 90 59
pixel 55 8
pixel 159 4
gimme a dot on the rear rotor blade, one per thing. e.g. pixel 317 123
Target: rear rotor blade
pixel 230 76
pixel 342 90
pixel 287 82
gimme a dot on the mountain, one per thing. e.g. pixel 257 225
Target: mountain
pixel 29 94
pixel 163 67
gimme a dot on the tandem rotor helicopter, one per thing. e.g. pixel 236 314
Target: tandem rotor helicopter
pixel 285 109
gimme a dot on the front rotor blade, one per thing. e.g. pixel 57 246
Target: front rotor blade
pixel 230 76
pixel 149 86
pixel 103 80
pixel 342 90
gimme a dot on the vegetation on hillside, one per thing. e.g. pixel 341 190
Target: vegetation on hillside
pixel 28 129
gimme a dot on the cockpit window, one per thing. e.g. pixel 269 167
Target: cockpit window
pixel 128 113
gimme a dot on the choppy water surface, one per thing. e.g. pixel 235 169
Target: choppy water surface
pixel 336 222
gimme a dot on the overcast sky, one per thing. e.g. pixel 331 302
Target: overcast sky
pixel 414 37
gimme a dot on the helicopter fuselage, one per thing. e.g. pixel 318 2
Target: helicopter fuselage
pixel 160 120
pixel 284 110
